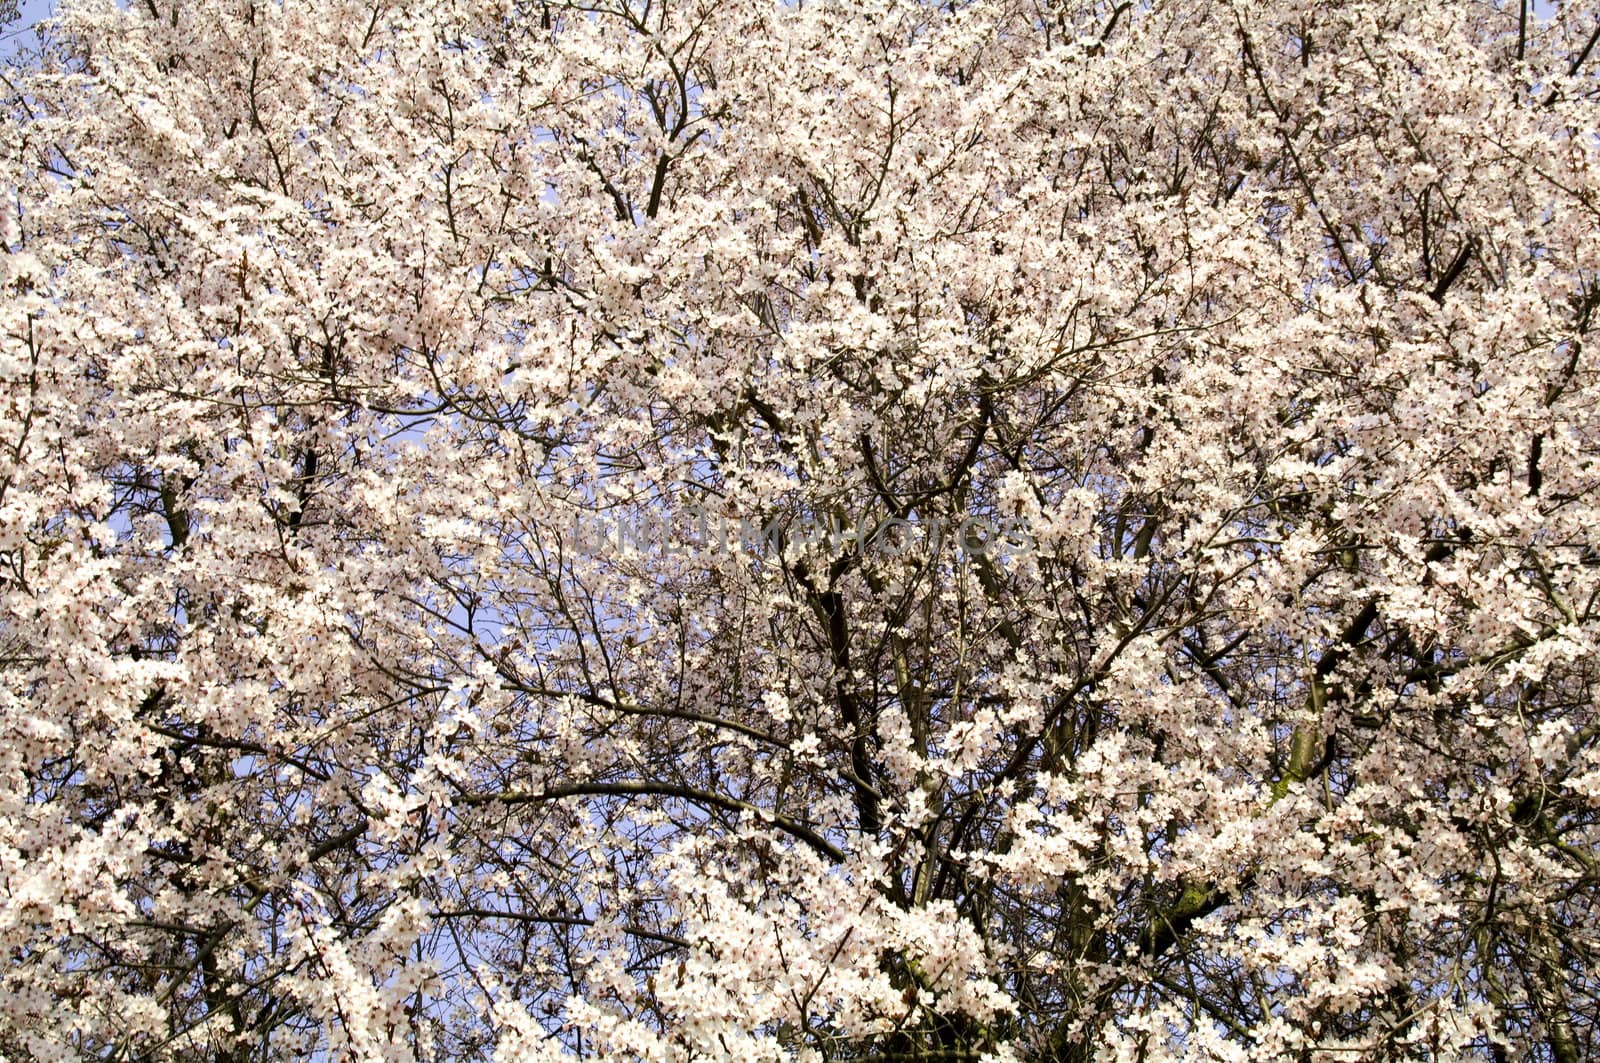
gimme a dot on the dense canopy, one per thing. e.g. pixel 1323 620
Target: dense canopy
pixel 831 530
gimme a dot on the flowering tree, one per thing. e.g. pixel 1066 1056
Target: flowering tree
pixel 1198 398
